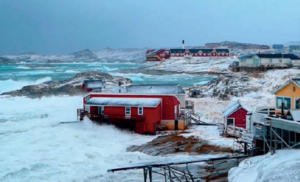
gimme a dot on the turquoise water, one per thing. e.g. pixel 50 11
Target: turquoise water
pixel 33 72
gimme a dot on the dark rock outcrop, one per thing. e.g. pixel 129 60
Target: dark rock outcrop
pixel 71 86
pixel 170 144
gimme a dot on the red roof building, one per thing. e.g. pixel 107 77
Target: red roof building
pixel 157 55
pixel 141 113
pixel 235 115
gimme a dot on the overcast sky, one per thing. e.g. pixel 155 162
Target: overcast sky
pixel 65 26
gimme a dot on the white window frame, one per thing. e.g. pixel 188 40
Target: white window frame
pixel 141 110
pixel 87 108
pixel 283 99
pixel 233 121
pixel 295 100
pixel 128 114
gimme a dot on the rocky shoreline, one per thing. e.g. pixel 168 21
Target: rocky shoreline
pixel 70 87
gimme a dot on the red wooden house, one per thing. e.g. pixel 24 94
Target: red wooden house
pixel 235 115
pixel 157 55
pixel 142 113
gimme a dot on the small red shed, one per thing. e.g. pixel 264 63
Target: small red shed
pixel 92 85
pixel 235 115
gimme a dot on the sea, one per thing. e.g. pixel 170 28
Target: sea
pixel 40 140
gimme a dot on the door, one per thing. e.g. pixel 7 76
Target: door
pixel 176 124
pixel 256 62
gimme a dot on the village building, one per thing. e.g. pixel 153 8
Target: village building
pixel 143 113
pixel 288 96
pixel 257 46
pixel 235 116
pixel 268 61
pixel 294 48
pixel 177 53
pixel 157 55
pixel 278 46
pixel 93 85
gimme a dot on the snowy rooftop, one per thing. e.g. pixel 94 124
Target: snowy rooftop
pixel 148 89
pixel 94 83
pixel 234 106
pixel 142 102
pixel 296 81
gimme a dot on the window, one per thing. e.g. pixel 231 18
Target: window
pixel 140 110
pixel 297 103
pixel 285 100
pixel 101 110
pixel 270 60
pixel 230 121
pixel 87 109
pixel 280 60
pixel 127 111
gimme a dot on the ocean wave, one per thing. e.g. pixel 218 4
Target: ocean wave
pixel 71 71
pixel 23 67
pixel 10 85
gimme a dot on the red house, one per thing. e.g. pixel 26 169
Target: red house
pixel 235 115
pixel 141 113
pixel 157 55
pixel 199 53
pixel 92 85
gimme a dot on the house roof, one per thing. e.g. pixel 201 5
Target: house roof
pixel 152 53
pixel 295 114
pixel 193 51
pixel 291 56
pixel 138 102
pixel 94 83
pixel 155 89
pixel 296 81
pixel 234 106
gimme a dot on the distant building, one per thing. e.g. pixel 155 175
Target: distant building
pixel 212 45
pixel 93 85
pixel 278 46
pixel 257 46
pixel 199 53
pixel 268 60
pixel 157 54
pixel 294 48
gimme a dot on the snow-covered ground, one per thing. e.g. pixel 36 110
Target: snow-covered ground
pixel 283 166
pixel 194 65
pixel 210 134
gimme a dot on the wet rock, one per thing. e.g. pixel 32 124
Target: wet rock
pixel 170 144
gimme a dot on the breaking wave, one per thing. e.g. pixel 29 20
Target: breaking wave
pixel 10 85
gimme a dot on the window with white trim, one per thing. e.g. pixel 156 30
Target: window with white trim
pixel 140 110
pixel 230 121
pixel 283 100
pixel 127 111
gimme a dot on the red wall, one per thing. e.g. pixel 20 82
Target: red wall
pixel 240 117
pixel 146 125
pixel 168 102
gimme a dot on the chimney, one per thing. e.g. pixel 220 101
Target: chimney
pixel 182 44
